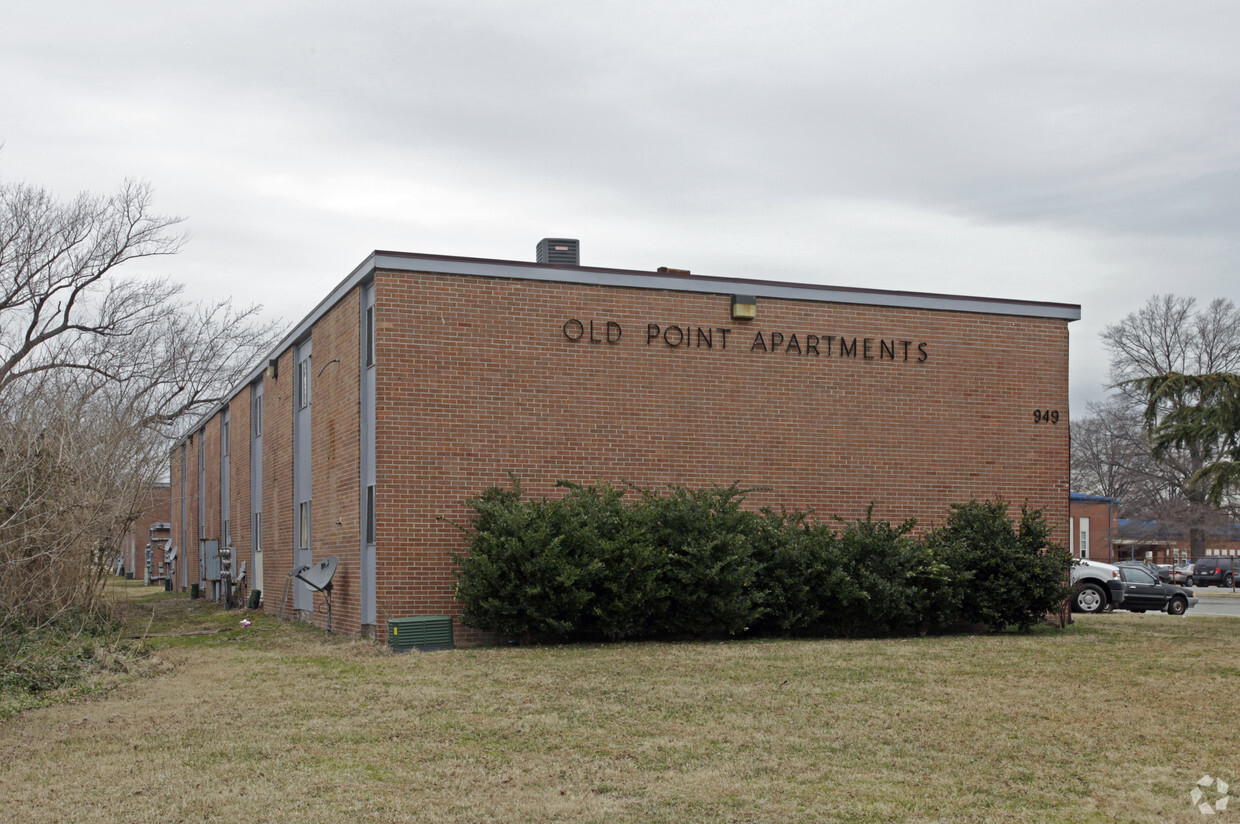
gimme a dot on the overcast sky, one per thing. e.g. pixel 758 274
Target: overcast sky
pixel 1075 152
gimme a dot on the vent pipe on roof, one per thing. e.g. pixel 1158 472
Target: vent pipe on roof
pixel 559 250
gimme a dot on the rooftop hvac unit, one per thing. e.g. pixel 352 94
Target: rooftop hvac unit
pixel 426 632
pixel 559 250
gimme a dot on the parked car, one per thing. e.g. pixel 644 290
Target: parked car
pixel 1142 592
pixel 1095 586
pixel 1219 572
pixel 1160 572
pixel 1183 575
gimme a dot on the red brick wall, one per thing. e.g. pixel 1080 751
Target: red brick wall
pixel 156 507
pixel 1103 528
pixel 336 459
pixel 189 555
pixel 1219 546
pixel 177 482
pixel 239 485
pixel 476 379
pixel 278 484
pixel 211 516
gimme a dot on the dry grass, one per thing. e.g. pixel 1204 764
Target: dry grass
pixel 280 723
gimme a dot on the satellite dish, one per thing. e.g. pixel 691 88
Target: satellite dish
pixel 319 576
pixel 170 554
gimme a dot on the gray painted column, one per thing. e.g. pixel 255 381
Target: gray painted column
pixel 367 423
pixel 303 555
pixel 256 483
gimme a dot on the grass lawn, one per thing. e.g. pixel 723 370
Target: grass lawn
pixel 1113 719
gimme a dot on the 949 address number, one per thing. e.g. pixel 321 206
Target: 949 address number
pixel 1046 416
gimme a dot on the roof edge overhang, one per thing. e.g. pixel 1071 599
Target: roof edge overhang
pixel 1084 498
pixel 678 282
pixel 636 279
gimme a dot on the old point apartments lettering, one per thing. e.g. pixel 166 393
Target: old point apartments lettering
pixel 783 342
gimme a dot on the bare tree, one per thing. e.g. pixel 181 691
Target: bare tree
pixel 1110 454
pixel 1170 334
pixel 97 371
pixel 55 263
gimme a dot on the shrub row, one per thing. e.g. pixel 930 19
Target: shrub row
pixel 693 563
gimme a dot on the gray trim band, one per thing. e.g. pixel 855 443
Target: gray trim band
pixel 724 286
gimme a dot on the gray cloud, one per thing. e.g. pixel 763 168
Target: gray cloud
pixel 1056 151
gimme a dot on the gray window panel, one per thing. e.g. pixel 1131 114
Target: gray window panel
pixel 225 479
pixel 370 336
pixel 184 513
pixel 303 383
pixel 370 514
pixel 303 524
pixel 202 485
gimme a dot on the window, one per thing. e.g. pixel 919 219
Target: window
pixel 1136 576
pixel 256 415
pixel 370 336
pixel 1084 541
pixel 224 438
pixel 257 538
pixel 370 514
pixel 303 524
pixel 303 384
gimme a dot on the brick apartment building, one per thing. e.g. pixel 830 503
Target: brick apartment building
pixel 423 379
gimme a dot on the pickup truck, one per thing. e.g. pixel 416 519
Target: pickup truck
pixel 1096 586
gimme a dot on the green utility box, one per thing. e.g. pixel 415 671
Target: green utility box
pixel 426 632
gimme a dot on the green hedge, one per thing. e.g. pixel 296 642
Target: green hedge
pixel 694 563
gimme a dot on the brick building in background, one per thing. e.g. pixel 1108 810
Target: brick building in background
pixel 150 529
pixel 423 379
pixel 1099 534
pixel 1093 527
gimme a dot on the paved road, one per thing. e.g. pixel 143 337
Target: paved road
pixel 1214 601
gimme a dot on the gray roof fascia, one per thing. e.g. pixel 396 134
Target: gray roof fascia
pixel 720 285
